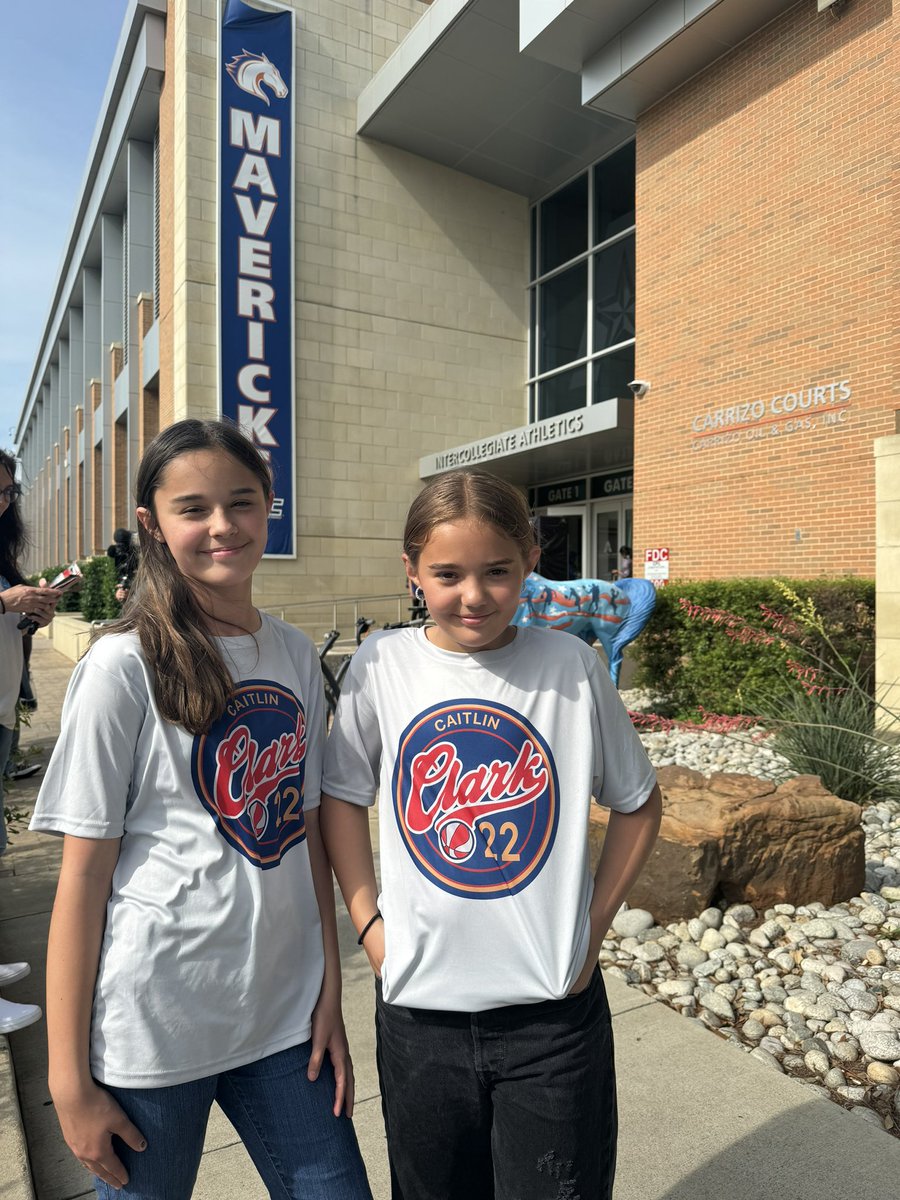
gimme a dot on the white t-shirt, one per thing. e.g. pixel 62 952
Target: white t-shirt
pixel 486 764
pixel 212 953
pixel 10 663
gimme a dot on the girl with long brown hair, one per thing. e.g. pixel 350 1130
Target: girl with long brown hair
pixel 193 948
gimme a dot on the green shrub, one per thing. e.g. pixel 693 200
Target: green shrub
pixel 711 661
pixel 796 657
pixel 98 592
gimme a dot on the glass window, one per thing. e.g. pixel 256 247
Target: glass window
pixel 614 194
pixel 532 348
pixel 563 304
pixel 582 311
pixel 612 373
pixel 562 393
pixel 614 294
pixel 564 224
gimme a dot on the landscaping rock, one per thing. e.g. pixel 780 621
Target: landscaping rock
pixel 747 841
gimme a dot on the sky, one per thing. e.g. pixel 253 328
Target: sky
pixel 57 59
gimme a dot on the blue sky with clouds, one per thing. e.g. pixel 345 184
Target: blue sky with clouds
pixel 57 59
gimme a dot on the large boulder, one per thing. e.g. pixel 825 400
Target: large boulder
pixel 740 839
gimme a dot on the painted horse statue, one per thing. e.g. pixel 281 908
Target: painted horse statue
pixel 611 613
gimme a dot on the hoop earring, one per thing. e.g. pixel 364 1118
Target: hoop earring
pixel 419 594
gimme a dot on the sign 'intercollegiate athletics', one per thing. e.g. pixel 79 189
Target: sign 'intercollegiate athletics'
pixel 256 243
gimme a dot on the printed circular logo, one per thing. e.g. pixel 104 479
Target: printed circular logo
pixel 476 797
pixel 249 771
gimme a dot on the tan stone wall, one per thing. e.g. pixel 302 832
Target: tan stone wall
pixel 148 400
pixel 95 500
pixel 167 224
pixel 766 239
pixel 410 296
pixel 887 572
pixel 55 532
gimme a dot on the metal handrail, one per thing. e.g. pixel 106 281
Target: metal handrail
pixel 361 605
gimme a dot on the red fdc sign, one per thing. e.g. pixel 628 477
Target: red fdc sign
pixel 656 565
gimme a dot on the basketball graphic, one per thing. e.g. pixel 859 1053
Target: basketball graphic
pixel 456 841
pixel 259 818
pixel 475 795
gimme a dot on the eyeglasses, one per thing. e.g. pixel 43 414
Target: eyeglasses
pixel 10 494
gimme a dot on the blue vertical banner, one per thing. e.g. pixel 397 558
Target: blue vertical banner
pixel 256 243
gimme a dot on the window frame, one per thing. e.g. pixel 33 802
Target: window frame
pixel 536 377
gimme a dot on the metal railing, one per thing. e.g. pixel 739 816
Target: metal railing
pixel 342 612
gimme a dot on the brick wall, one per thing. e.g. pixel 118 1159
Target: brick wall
pixel 148 400
pixel 765 244
pixel 887 576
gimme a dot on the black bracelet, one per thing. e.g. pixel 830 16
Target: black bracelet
pixel 368 925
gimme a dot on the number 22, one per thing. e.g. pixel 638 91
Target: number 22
pixel 507 828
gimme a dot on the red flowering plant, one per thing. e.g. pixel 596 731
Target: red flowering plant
pixel 815 704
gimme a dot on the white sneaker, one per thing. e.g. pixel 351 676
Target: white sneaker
pixel 17 1016
pixel 13 972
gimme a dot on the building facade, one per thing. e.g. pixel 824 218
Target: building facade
pixel 502 214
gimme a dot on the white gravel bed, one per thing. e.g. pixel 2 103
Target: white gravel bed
pixel 743 753
pixel 810 991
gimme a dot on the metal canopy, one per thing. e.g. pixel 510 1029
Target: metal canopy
pixel 459 92
pixel 496 90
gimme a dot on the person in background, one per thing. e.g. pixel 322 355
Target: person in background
pixel 16 599
pixel 124 553
pixel 624 562
pixel 16 768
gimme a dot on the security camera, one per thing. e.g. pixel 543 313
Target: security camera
pixel 640 387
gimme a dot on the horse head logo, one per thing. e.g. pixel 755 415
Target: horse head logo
pixel 251 71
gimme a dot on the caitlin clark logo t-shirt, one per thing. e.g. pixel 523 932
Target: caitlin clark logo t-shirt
pixel 212 955
pixel 485 765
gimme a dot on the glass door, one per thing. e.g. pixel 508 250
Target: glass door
pixel 606 540
pixel 581 541
pixel 612 529
pixel 561 535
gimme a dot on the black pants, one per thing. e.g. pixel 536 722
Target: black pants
pixel 515 1103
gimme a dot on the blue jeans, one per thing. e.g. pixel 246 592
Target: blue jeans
pixel 514 1103
pixel 300 1148
pixel 6 741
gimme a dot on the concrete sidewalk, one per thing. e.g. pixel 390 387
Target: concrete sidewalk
pixel 699 1119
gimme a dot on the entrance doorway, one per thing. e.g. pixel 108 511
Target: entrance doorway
pixel 581 541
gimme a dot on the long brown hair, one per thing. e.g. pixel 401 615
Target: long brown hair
pixel 468 495
pixel 192 683
pixel 12 530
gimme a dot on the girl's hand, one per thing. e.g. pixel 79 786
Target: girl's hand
pixel 88 1118
pixel 373 944
pixel 37 602
pixel 328 1033
pixel 626 847
pixel 590 963
pixel 586 975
